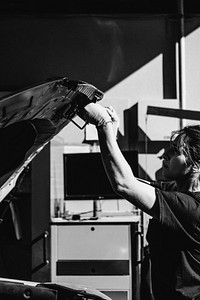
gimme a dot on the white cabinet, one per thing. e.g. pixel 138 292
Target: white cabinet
pixel 102 255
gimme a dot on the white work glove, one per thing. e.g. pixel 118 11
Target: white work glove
pixel 95 114
pixel 99 116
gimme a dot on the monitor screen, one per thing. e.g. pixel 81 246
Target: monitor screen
pixel 85 177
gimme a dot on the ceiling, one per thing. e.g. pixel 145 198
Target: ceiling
pixel 97 7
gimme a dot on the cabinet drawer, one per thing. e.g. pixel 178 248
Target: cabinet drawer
pixel 93 242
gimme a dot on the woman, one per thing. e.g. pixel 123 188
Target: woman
pixel 174 231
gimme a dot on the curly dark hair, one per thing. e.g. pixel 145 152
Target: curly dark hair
pixel 189 137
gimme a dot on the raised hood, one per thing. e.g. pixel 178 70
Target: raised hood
pixel 30 118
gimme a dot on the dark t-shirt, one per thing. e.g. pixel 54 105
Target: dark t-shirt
pixel 174 241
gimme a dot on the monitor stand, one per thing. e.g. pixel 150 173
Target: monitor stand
pixel 95 210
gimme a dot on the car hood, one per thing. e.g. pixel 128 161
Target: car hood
pixel 31 117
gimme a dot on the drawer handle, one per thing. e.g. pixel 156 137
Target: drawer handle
pixel 92 228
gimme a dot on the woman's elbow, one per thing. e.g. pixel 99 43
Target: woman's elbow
pixel 120 189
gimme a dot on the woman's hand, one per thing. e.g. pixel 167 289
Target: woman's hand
pixel 95 114
pixel 99 115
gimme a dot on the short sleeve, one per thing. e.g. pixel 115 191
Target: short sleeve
pixel 180 212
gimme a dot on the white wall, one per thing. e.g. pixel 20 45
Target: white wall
pixel 192 70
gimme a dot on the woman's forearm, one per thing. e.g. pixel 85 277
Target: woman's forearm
pixel 117 168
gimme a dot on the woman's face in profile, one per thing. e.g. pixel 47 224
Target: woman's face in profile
pixel 175 163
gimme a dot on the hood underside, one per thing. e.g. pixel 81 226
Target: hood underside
pixel 30 118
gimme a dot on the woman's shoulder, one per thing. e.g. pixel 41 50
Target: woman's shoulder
pixel 195 195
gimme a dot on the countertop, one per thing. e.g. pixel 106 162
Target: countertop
pixel 100 220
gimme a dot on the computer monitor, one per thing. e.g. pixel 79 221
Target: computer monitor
pixel 85 177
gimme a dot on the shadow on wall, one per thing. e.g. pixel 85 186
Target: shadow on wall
pixel 102 50
pixel 135 138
